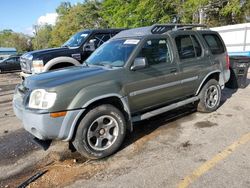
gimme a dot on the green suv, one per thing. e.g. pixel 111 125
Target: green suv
pixel 138 74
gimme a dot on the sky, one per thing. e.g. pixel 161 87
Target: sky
pixel 21 15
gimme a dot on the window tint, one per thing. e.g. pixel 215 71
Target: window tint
pixel 156 51
pixel 197 46
pixel 214 43
pixel 185 47
pixel 10 60
pixel 99 39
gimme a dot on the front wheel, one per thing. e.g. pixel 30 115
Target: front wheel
pixel 210 96
pixel 101 132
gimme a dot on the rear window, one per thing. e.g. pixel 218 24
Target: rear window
pixel 214 43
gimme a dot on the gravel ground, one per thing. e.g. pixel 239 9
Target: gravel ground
pixel 178 149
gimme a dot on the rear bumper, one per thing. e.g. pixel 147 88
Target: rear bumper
pixel 226 75
pixel 45 127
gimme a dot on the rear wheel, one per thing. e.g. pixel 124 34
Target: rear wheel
pixel 101 132
pixel 210 96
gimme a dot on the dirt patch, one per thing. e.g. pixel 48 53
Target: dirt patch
pixel 9 87
pixel 205 124
pixel 6 101
pixel 61 170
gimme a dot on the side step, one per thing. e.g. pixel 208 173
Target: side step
pixel 164 109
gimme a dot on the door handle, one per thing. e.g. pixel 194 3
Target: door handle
pixel 173 70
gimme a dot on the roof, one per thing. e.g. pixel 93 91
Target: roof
pixel 7 49
pixel 104 30
pixel 156 29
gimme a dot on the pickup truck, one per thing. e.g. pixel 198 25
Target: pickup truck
pixel 72 52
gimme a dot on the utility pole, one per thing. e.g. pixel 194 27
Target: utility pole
pixel 201 16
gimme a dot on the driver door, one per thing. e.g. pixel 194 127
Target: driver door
pixel 158 83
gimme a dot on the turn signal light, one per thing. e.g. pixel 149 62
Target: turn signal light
pixel 57 114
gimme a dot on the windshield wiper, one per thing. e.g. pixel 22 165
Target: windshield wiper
pixel 65 46
pixel 103 64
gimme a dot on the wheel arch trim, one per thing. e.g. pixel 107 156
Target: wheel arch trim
pixel 205 78
pixel 78 116
pixel 58 60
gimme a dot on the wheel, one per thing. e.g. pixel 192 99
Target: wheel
pixel 210 96
pixel 100 133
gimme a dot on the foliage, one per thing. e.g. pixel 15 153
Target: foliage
pixel 42 37
pixel 74 18
pixel 21 42
pixel 136 13
pixel 126 14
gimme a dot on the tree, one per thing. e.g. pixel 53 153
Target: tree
pixel 42 37
pixel 136 13
pixel 21 42
pixel 74 18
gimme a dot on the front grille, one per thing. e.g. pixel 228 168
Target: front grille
pixel 25 65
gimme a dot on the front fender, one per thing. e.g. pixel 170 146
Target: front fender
pixel 95 92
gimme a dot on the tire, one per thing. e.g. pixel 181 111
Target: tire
pixel 100 133
pixel 210 96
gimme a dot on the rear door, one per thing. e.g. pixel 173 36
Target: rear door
pixel 158 83
pixel 192 61
pixel 217 50
pixel 16 64
pixel 9 64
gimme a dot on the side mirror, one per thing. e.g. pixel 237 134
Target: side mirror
pixel 139 63
pixel 90 46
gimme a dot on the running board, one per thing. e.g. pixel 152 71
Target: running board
pixel 164 109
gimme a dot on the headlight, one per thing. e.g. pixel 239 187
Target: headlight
pixel 37 66
pixel 41 99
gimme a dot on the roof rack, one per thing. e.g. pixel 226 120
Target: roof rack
pixel 163 28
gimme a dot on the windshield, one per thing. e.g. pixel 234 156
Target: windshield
pixel 113 53
pixel 77 39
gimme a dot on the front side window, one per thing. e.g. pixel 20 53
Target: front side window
pixel 156 51
pixel 77 39
pixel 99 39
pixel 113 53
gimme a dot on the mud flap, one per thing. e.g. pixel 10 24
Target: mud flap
pixel 45 144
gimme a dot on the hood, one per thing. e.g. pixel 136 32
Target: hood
pixel 62 76
pixel 38 53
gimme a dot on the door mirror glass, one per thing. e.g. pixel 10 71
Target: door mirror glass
pixel 139 63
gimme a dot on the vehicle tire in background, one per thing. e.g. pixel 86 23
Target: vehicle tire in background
pixel 101 132
pixel 210 96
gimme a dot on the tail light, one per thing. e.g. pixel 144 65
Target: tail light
pixel 227 61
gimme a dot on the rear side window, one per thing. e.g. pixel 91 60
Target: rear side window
pixel 214 43
pixel 188 46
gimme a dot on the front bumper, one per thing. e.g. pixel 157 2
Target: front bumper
pixel 24 75
pixel 45 127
